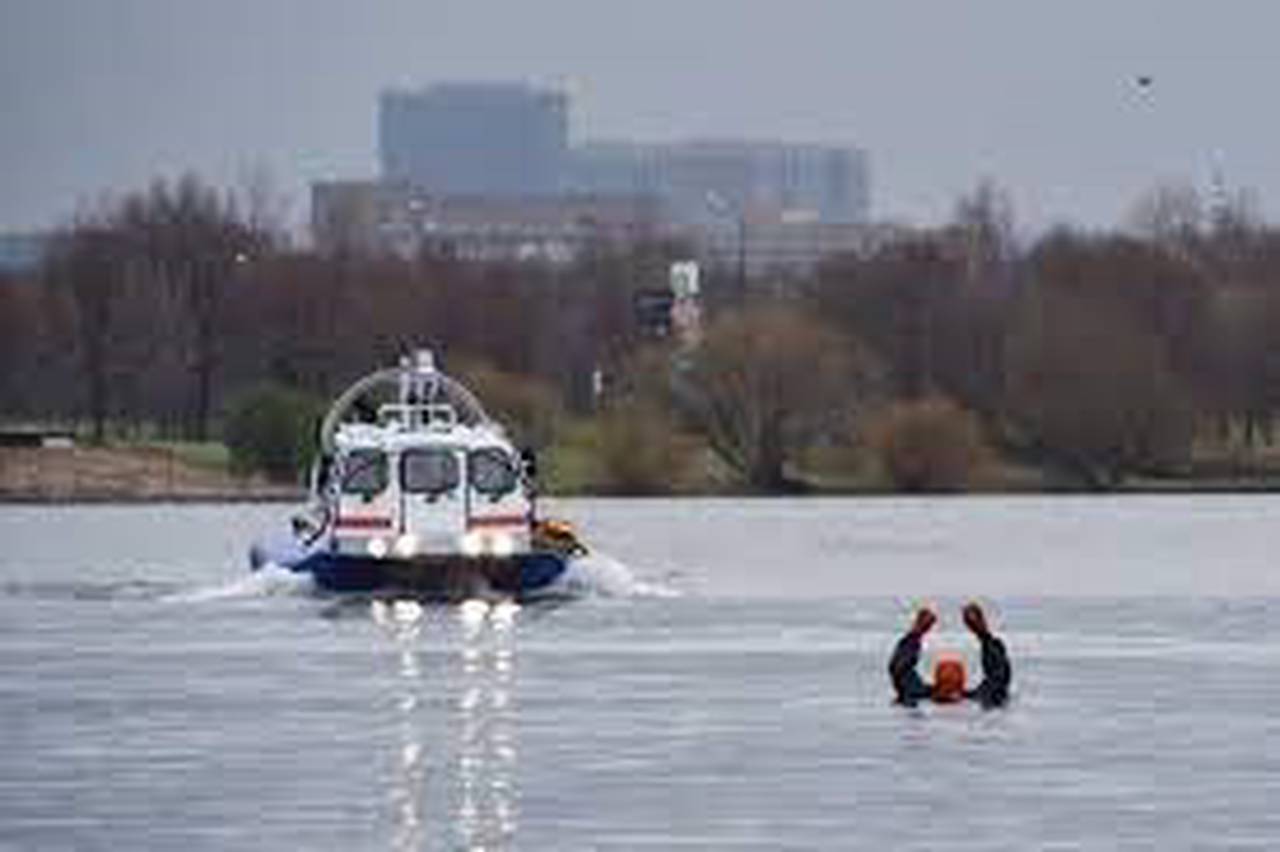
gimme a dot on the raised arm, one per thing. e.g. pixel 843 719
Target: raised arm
pixel 907 683
pixel 997 673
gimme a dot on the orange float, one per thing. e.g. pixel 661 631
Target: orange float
pixel 948 678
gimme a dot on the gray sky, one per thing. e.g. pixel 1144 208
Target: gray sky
pixel 99 95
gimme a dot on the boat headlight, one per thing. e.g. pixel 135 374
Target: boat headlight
pixel 471 544
pixel 377 547
pixel 502 544
pixel 407 546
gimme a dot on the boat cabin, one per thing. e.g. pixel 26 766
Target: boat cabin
pixel 428 475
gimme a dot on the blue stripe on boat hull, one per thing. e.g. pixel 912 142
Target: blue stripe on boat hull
pixel 445 578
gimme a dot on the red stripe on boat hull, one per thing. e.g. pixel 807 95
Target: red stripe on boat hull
pixel 497 521
pixel 362 522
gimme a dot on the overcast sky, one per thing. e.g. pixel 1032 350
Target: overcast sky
pixel 99 95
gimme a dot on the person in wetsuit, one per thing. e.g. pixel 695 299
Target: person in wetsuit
pixel 996 671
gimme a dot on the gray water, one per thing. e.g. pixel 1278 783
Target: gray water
pixel 715 680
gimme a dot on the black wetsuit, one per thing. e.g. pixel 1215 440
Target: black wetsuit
pixel 911 688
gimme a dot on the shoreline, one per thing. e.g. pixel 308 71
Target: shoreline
pixel 298 496
pixel 211 499
pixel 149 476
pixel 135 474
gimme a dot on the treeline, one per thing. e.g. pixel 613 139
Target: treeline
pixel 1092 355
pixel 152 315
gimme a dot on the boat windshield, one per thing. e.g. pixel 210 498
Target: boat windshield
pixel 364 472
pixel 430 471
pixel 492 472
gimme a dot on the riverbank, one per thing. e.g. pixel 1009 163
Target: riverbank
pixel 187 474
pixel 127 474
pixel 202 473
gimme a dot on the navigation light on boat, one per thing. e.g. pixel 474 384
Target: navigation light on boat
pixel 377 547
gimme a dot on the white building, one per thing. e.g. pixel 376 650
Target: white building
pixel 381 218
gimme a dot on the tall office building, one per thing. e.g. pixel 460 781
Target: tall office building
pixel 485 170
pixel 483 139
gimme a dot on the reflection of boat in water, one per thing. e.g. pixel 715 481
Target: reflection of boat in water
pixel 454 772
pixel 415 488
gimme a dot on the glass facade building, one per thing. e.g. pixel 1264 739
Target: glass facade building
pixel 488 139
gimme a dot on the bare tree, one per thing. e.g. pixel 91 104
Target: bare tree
pixel 764 382
pixel 87 264
pixel 984 222
pixel 1149 289
pixel 1094 395
pixel 21 329
pixel 895 301
pixel 194 241
pixel 1172 214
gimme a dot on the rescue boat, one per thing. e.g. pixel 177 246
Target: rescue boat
pixel 416 488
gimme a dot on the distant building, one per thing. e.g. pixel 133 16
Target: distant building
pixel 485 171
pixel 704 180
pixel 787 246
pixel 385 218
pixel 21 254
pixel 483 139
pixel 372 217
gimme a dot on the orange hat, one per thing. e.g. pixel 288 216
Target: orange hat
pixel 948 678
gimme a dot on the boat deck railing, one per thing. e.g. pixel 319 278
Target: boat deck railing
pixel 410 415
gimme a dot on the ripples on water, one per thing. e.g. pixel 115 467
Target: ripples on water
pixel 720 684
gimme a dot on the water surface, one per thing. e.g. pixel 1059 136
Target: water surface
pixel 715 681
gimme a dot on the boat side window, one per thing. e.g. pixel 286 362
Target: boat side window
pixel 432 472
pixel 492 472
pixel 364 472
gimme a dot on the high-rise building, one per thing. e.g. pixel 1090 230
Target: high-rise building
pixel 481 139
pixel 485 170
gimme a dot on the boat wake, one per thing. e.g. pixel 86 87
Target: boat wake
pixel 595 575
pixel 600 575
pixel 270 581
